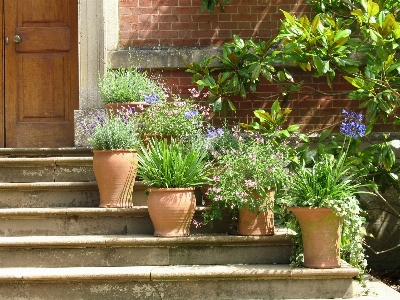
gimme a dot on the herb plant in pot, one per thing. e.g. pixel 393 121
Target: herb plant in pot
pixel 245 183
pixel 131 87
pixel 172 170
pixel 113 138
pixel 177 118
pixel 326 212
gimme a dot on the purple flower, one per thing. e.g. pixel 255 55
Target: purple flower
pixel 213 133
pixel 151 99
pixel 351 125
pixel 191 114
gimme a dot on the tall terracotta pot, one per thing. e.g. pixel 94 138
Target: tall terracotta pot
pixel 321 231
pixel 115 173
pixel 263 224
pixel 171 210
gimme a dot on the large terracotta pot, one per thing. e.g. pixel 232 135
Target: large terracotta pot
pixel 263 224
pixel 137 106
pixel 321 231
pixel 115 173
pixel 171 210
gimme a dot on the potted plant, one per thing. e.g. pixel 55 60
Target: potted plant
pixel 246 181
pixel 113 138
pixel 131 87
pixel 172 169
pixel 326 213
pixel 176 118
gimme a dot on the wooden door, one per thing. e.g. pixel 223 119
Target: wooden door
pixel 41 72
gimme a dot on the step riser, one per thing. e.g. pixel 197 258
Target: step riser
pixel 207 289
pixel 47 174
pixel 142 256
pixel 49 198
pixel 61 225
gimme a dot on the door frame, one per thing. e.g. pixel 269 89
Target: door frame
pixel 98 36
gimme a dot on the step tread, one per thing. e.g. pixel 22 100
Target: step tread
pixel 44 152
pixel 50 185
pixel 173 273
pixel 282 236
pixel 45 161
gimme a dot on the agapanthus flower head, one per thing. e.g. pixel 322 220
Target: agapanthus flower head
pixel 151 99
pixel 351 125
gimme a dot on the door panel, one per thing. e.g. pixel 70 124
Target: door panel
pixel 41 72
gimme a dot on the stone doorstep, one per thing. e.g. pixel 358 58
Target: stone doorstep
pixel 45 152
pixel 23 162
pixel 282 237
pixel 172 273
pixel 49 186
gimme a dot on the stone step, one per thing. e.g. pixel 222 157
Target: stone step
pixel 59 194
pixel 45 152
pixel 262 281
pixel 86 221
pixel 46 169
pixel 140 250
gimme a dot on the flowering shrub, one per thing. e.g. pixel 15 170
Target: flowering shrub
pixel 129 85
pixel 178 118
pixel 255 164
pixel 111 131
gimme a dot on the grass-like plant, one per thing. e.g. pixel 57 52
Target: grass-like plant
pixel 173 164
pixel 129 85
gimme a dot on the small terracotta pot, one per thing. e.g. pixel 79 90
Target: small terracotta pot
pixel 115 173
pixel 321 231
pixel 263 224
pixel 138 106
pixel 171 210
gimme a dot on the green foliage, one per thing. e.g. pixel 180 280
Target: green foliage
pixel 241 65
pixel 180 117
pixel 210 5
pixel 256 166
pixel 172 165
pixel 128 85
pixel 112 131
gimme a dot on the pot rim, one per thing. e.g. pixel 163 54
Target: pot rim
pixel 162 190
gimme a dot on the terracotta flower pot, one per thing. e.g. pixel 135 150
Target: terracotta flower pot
pixel 171 210
pixel 263 224
pixel 115 173
pixel 138 106
pixel 321 231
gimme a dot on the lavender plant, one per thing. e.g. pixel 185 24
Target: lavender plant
pixel 111 131
pixel 130 85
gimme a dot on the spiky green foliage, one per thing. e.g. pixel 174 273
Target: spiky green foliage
pixel 172 165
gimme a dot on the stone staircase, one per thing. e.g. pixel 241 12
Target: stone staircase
pixel 55 243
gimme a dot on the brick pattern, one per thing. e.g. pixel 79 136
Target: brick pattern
pixel 166 23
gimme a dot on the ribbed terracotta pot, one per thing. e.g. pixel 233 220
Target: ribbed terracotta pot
pixel 321 231
pixel 115 173
pixel 263 224
pixel 171 210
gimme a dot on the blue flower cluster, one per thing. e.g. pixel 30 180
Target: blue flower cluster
pixel 191 114
pixel 213 133
pixel 351 125
pixel 151 99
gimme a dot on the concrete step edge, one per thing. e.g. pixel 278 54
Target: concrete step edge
pixel 34 186
pixel 45 152
pixel 282 237
pixel 172 273
pixel 45 186
pixel 23 162
pixel 55 212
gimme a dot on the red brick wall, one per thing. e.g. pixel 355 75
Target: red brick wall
pixel 166 23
